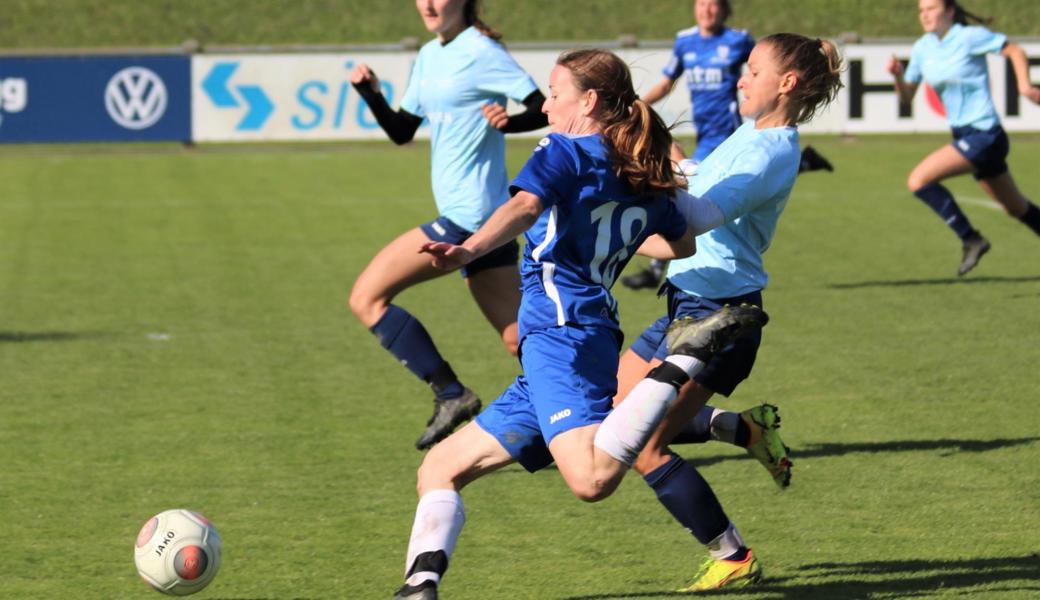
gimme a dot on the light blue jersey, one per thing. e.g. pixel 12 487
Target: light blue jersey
pixel 712 66
pixel 591 227
pixel 955 66
pixel 448 86
pixel 749 177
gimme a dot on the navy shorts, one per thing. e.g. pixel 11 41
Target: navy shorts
pixel 443 229
pixel 727 368
pixel 986 150
pixel 569 381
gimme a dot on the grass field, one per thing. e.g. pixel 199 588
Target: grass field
pixel 173 333
pixel 129 23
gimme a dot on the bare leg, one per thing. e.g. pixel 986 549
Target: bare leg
pixel 497 293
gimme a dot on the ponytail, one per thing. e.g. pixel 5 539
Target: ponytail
pixel 640 143
pixel 471 15
pixel 818 65
pixel 962 16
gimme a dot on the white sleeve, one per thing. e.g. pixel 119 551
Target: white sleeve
pixel 701 214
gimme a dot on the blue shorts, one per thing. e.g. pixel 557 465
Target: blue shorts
pixel 986 150
pixel 569 381
pixel 727 368
pixel 443 229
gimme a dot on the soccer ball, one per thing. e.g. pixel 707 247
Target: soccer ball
pixel 177 552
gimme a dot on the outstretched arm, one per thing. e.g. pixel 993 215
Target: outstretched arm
pixel 400 125
pixel 1020 63
pixel 660 90
pixel 510 220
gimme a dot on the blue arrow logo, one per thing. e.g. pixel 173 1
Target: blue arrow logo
pixel 260 107
pixel 216 85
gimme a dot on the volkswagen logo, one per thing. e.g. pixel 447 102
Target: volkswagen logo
pixel 135 98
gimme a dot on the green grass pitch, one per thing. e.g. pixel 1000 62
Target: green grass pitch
pixel 174 333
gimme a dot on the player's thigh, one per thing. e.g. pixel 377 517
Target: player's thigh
pixel 1004 190
pixel 941 164
pixel 395 268
pixel 497 293
pixel 632 368
pixel 462 457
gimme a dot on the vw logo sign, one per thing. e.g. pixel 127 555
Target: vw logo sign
pixel 135 98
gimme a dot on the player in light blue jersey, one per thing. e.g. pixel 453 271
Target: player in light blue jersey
pixel 951 58
pixel 592 192
pixel 712 55
pixel 458 81
pixel 746 182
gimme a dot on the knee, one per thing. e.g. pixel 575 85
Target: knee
pixel 511 343
pixel 915 182
pixel 365 307
pixel 592 489
pixel 433 475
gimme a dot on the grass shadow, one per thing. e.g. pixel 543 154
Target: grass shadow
pixel 921 282
pixel 949 447
pixel 46 336
pixel 887 578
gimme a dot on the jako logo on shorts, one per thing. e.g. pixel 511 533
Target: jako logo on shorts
pixel 563 414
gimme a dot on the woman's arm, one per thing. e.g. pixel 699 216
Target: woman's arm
pixel 510 220
pixel 529 120
pixel 399 125
pixel 904 89
pixel 1020 64
pixel 656 246
pixel 660 90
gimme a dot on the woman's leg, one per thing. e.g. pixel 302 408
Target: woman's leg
pixel 497 293
pixel 394 269
pixel 463 457
pixel 1003 189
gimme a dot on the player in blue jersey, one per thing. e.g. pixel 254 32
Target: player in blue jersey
pixel 458 78
pixel 712 55
pixel 592 192
pixel 746 182
pixel 951 58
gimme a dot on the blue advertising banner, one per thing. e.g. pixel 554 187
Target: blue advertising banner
pixel 86 99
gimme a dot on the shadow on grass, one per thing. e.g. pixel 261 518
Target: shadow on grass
pixel 886 578
pixel 940 281
pixel 46 336
pixel 948 447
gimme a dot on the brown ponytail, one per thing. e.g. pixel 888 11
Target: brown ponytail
pixel 639 141
pixel 818 65
pixel 962 16
pixel 471 14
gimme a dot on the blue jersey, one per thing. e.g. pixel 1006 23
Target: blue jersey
pixel 749 177
pixel 955 66
pixel 591 227
pixel 449 84
pixel 712 66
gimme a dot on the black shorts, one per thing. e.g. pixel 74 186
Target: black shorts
pixel 728 367
pixel 445 230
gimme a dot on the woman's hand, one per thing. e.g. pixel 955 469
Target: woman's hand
pixel 895 67
pixel 447 256
pixel 1032 93
pixel 495 114
pixel 361 74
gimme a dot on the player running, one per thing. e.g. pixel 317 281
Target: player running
pixel 737 196
pixel 588 197
pixel 951 58
pixel 457 78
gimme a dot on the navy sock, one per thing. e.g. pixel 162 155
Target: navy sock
pixel 1032 218
pixel 941 201
pixel 405 337
pixel 682 490
pixel 696 431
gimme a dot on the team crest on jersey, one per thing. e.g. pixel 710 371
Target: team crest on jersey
pixel 723 52
pixel 542 143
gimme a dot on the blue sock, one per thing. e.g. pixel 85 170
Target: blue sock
pixel 941 201
pixel 697 429
pixel 405 337
pixel 682 490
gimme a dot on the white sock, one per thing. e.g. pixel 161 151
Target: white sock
pixel 628 427
pixel 726 544
pixel 724 425
pixel 438 522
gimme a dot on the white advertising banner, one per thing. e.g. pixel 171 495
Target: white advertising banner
pixel 249 97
